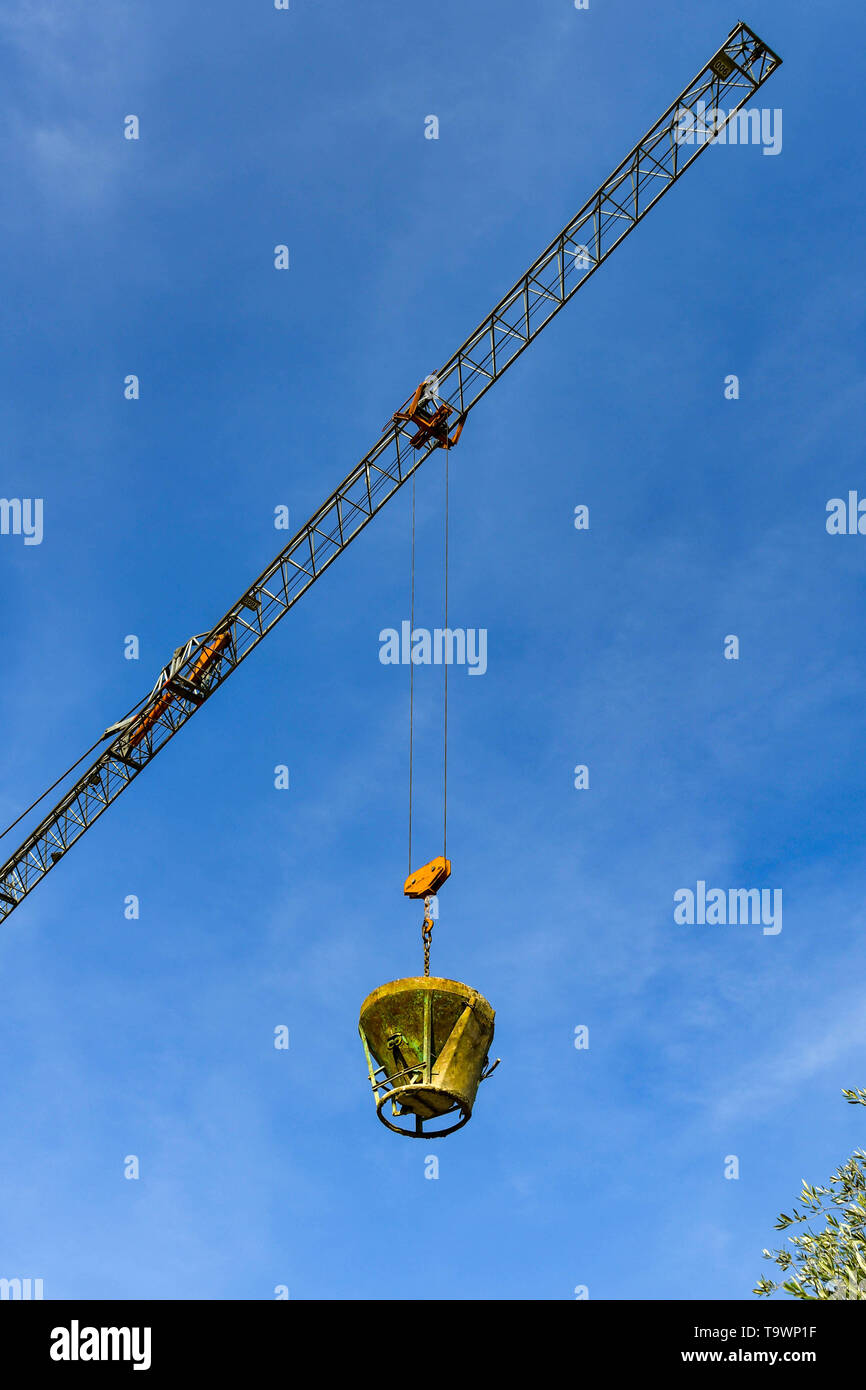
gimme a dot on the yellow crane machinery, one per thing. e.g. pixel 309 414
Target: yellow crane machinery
pixel 426 1039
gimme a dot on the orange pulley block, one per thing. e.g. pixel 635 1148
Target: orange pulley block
pixel 425 883
pixel 432 416
pixel 427 880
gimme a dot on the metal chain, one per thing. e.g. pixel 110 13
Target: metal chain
pixel 426 935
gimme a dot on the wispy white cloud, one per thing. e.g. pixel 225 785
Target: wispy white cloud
pixel 815 1040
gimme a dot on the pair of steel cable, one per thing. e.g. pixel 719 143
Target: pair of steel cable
pixel 427 924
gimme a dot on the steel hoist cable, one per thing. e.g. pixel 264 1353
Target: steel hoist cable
pixel 445 663
pixel 411 669
pixel 431 883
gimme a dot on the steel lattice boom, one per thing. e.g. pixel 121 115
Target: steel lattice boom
pixel 424 423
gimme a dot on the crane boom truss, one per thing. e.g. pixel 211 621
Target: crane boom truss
pixel 723 86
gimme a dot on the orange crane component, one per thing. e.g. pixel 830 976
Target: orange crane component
pixel 185 687
pixel 431 415
pixel 424 882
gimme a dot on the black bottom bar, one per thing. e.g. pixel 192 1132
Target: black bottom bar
pixel 216 1339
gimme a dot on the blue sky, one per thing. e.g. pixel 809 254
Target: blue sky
pixel 260 907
